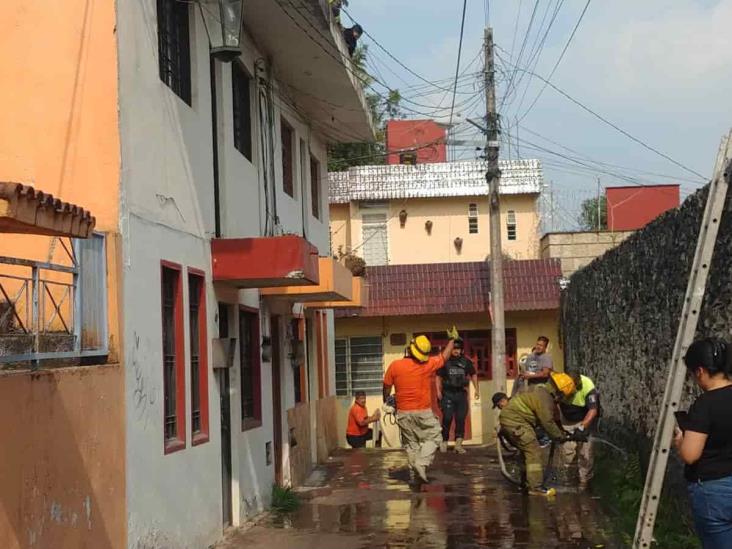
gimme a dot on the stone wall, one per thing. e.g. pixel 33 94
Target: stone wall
pixel 620 315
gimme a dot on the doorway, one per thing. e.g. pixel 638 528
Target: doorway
pixel 224 386
pixel 222 377
pixel 277 397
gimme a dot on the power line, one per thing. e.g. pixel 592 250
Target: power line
pixel 556 65
pixel 578 164
pixel 537 56
pixel 339 59
pixel 611 124
pixel 521 52
pixel 457 65
pixel 628 168
pixel 400 63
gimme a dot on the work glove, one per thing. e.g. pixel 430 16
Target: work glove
pixel 453 333
pixel 581 435
pixel 566 437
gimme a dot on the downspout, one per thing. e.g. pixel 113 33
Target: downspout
pixel 215 144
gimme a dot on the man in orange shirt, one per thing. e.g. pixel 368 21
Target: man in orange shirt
pixel 358 431
pixel 412 378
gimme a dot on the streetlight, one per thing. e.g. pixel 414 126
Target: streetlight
pixel 223 21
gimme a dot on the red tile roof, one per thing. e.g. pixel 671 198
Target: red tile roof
pixel 445 288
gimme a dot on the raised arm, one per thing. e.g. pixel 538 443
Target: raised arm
pixel 447 351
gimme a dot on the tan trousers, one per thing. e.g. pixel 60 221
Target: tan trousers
pixel 522 435
pixel 421 436
pixel 580 451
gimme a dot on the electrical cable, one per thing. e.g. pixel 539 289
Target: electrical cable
pixel 556 65
pixel 614 126
pixel 627 168
pixel 457 65
pixel 539 51
pixel 400 63
pixel 521 53
pixel 339 60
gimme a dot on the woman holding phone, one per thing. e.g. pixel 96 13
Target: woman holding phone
pixel 705 444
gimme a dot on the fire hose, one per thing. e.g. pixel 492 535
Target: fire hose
pixel 504 445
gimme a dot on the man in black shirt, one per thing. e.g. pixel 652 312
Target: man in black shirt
pixel 351 37
pixel 452 383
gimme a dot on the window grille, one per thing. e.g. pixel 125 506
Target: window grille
pixel 288 165
pixel 174 56
pixel 170 293
pixel 249 360
pixel 511 225
pixel 359 365
pixel 241 95
pixel 473 218
pixel 195 287
pixel 315 186
pixel 375 239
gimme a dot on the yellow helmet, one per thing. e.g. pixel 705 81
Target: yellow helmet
pixel 420 348
pixel 564 383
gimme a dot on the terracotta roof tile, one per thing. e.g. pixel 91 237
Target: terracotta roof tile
pixel 444 288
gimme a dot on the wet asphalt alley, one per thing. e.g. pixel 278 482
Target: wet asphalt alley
pixel 365 502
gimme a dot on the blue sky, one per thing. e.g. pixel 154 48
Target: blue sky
pixel 659 69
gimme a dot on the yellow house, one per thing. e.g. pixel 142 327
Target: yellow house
pixel 405 222
pixel 407 300
pixel 432 213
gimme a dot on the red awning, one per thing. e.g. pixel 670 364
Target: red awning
pixel 264 262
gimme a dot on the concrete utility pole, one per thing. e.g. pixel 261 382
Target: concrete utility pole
pixel 599 217
pixel 493 175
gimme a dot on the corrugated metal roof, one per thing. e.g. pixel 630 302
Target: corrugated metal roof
pixel 397 181
pixel 447 288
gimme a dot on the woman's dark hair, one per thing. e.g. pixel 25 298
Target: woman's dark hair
pixel 712 354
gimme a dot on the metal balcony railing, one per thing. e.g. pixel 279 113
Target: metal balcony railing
pixel 53 311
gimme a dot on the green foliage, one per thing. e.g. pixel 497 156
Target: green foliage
pixel 620 487
pixel 588 214
pixel 342 156
pixel 284 500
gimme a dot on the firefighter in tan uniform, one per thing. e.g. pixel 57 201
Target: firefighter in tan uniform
pixel 523 413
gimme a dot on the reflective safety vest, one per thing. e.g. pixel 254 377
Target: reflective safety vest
pixel 576 408
pixel 579 399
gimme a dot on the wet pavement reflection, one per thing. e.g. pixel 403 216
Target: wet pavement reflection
pixel 367 503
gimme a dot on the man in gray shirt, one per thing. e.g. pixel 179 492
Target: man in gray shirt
pixel 538 364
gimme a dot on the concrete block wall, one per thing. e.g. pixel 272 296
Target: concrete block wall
pixel 620 315
pixel 575 250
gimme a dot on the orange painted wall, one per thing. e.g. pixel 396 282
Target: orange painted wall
pixel 62 480
pixel 59 128
pixel 58 122
pixel 63 459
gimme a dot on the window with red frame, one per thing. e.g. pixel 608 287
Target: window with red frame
pixel 250 364
pixel 197 340
pixel 173 358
